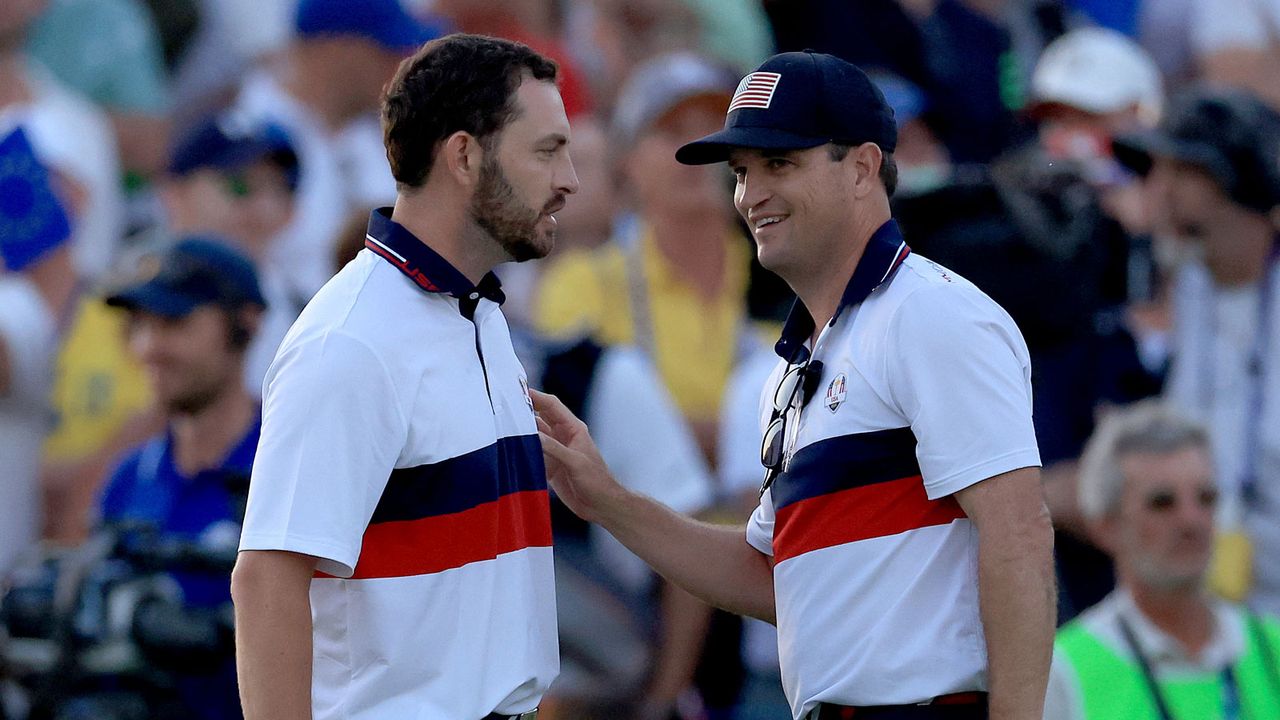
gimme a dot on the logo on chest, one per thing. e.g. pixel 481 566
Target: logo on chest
pixel 835 393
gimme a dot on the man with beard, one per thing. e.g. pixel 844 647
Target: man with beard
pixel 190 323
pixel 1160 645
pixel 396 558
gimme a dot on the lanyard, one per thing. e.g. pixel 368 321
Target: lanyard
pixel 1231 708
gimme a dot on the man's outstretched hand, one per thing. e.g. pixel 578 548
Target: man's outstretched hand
pixel 575 469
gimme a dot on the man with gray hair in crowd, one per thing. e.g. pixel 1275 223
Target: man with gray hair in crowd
pixel 1159 646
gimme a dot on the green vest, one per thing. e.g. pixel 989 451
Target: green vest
pixel 1112 686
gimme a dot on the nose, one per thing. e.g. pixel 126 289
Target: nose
pixel 748 193
pixel 566 180
pixel 142 338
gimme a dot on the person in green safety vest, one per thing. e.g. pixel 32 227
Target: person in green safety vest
pixel 1160 647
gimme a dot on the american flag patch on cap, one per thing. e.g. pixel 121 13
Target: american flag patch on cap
pixel 755 91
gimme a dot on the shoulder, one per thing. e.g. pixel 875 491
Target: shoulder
pixel 929 302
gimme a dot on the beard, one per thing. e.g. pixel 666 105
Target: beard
pixel 513 225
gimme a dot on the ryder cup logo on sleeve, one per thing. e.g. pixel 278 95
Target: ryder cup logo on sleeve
pixel 755 91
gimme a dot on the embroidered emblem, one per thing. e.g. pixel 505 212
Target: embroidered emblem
pixel 835 393
pixel 755 91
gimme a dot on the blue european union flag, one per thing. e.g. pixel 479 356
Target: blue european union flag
pixel 32 220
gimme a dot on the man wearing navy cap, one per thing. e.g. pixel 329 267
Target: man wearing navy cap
pixel 901 544
pixel 190 320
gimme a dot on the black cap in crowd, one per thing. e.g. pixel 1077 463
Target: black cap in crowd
pixel 1231 134
pixel 799 100
pixel 196 271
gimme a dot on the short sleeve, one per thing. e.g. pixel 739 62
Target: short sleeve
pixel 960 373
pixel 743 415
pixel 333 427
pixel 760 525
pixel 642 436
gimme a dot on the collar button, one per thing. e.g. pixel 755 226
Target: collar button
pixel 474 296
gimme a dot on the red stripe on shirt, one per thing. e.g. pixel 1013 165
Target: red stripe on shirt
pixel 860 513
pixel 433 544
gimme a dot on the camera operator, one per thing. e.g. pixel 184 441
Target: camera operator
pixel 190 322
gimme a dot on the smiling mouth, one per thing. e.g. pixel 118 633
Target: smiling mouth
pixel 763 223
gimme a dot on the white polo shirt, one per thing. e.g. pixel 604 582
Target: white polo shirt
pixel 924 390
pixel 399 447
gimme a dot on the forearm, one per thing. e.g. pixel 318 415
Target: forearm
pixel 273 643
pixel 1019 608
pixel 712 562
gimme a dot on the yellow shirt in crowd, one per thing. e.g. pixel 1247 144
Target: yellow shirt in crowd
pixel 98 386
pixel 696 342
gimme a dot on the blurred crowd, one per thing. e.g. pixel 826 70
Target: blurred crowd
pixel 180 176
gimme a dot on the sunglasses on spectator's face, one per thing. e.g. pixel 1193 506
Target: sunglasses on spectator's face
pixel 773 447
pixel 1162 501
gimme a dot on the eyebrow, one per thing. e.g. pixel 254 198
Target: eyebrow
pixel 556 139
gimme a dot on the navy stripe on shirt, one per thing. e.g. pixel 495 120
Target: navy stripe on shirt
pixel 513 464
pixel 847 461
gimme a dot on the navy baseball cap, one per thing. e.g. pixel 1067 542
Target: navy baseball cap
pixel 385 22
pixel 799 100
pixel 228 142
pixel 196 271
pixel 1231 134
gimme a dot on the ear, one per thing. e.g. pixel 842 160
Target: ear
pixel 865 160
pixel 461 155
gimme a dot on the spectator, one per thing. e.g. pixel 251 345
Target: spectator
pixel 190 323
pixel 1159 645
pixel 628 645
pixel 35 288
pixel 1214 166
pixel 71 136
pixel 109 51
pixel 228 178
pixel 324 93
pixel 237 178
pixel 675 276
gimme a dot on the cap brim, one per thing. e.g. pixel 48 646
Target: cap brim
pixel 154 298
pixel 716 147
pixel 1136 150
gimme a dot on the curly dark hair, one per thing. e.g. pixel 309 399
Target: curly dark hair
pixel 459 82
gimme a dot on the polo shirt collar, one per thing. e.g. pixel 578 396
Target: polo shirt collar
pixel 394 243
pixel 884 252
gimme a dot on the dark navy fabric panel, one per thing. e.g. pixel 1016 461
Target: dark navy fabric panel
pixel 513 464
pixel 845 462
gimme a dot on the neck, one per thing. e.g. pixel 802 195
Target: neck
pixel 203 439
pixel 444 224
pixel 695 255
pixel 1184 614
pixel 821 285
pixel 1247 241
